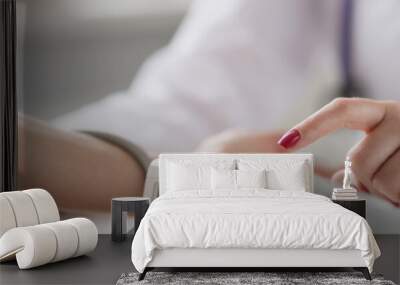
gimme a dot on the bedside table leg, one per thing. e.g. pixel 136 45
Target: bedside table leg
pixel 116 222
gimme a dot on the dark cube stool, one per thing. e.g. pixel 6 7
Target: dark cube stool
pixel 358 206
pixel 120 207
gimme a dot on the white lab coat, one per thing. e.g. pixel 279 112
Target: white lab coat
pixel 259 65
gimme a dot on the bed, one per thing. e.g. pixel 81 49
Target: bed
pixel 247 211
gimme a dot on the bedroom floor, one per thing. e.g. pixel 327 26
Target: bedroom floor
pixel 110 260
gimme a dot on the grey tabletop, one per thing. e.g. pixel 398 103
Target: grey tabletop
pixel 102 266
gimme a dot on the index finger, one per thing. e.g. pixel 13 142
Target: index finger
pixel 351 113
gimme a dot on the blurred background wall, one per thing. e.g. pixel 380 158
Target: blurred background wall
pixel 77 51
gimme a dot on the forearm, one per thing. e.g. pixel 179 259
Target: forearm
pixel 80 171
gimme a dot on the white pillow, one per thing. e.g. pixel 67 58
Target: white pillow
pixel 223 179
pixel 185 177
pixel 281 174
pixel 251 178
pixel 237 179
pixel 293 179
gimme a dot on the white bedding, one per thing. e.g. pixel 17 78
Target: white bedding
pixel 250 218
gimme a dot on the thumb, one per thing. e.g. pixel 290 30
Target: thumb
pixel 337 179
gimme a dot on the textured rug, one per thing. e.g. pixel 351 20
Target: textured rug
pixel 229 278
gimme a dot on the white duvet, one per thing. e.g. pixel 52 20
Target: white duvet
pixel 250 218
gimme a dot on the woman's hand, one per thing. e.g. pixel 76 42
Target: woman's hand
pixel 376 159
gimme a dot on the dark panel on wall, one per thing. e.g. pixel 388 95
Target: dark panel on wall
pixel 8 116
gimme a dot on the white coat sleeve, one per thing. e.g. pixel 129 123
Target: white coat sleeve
pixel 231 64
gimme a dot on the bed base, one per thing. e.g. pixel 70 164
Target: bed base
pixel 363 270
pixel 250 259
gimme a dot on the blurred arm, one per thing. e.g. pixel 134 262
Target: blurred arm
pixel 80 171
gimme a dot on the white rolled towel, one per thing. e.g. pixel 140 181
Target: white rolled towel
pixel 26 208
pixel 24 211
pixel 87 235
pixel 7 218
pixel 40 244
pixel 45 206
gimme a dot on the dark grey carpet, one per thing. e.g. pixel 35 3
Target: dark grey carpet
pixel 228 278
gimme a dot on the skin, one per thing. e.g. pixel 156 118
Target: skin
pixel 80 171
pixel 376 158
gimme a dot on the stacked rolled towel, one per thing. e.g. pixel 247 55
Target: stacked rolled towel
pixel 41 244
pixel 344 194
pixel 31 230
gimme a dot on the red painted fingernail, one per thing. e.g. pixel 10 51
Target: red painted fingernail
pixel 290 139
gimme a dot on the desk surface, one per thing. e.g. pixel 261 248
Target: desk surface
pixel 111 259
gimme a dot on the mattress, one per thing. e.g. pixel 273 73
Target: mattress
pixel 250 219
